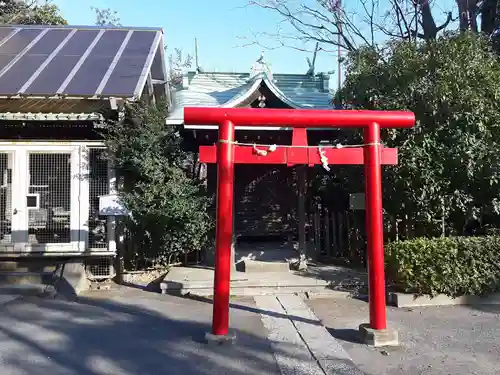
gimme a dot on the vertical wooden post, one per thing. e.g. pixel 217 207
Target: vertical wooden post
pixel 224 230
pixel 301 211
pixel 374 227
pixel 334 228
pixel 328 243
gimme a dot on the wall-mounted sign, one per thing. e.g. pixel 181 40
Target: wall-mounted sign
pixel 111 205
pixel 357 201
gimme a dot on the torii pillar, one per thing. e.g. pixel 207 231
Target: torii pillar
pixel 227 153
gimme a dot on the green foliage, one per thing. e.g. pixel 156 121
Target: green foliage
pixel 448 165
pixel 449 265
pixel 30 13
pixel 169 215
pixel 106 17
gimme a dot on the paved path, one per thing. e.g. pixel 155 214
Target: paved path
pixel 300 343
pixel 458 340
pixel 132 332
pixel 128 332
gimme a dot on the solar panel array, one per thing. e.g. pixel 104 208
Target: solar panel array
pixel 79 62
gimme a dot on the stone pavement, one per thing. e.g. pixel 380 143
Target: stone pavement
pixel 458 340
pixel 132 332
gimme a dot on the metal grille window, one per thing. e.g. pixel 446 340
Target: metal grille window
pixel 49 198
pixel 5 198
pixel 99 185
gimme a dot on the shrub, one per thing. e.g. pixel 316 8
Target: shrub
pixel 169 211
pixel 450 265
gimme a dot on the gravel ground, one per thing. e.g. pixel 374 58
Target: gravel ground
pixel 434 340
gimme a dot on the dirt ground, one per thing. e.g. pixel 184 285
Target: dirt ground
pixel 434 340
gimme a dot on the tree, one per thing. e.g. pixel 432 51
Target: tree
pixel 332 23
pixel 106 17
pixel 349 25
pixel 177 62
pixel 169 210
pixel 448 168
pixel 30 13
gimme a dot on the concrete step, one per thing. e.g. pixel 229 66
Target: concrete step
pixel 22 277
pixel 249 291
pixel 23 289
pixel 27 266
pixel 257 266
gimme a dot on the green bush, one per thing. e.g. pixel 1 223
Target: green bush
pixel 451 265
pixel 169 210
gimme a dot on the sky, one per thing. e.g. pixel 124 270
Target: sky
pixel 224 30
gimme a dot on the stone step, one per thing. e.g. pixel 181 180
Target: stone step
pixel 24 277
pixel 32 289
pixel 248 291
pixel 254 266
pixel 27 266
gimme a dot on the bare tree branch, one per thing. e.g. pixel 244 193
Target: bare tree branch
pixel 331 23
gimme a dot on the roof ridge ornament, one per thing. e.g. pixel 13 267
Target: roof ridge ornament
pixel 260 67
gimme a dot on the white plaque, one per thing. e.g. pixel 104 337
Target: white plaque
pixel 110 205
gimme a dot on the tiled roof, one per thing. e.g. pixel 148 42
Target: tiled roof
pixel 229 89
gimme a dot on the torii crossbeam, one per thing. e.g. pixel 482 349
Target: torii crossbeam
pixel 227 153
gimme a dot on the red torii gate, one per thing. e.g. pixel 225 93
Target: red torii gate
pixel 227 153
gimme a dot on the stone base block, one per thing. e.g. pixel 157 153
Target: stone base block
pixel 378 337
pixel 212 339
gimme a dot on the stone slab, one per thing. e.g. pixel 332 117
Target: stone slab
pixel 320 342
pixel 6 298
pixel 291 353
pixel 378 337
pixel 409 300
pixel 253 266
pixel 196 281
pixel 228 339
pixel 292 324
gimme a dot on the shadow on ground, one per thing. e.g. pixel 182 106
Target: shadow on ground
pixel 252 309
pixel 347 335
pixel 138 333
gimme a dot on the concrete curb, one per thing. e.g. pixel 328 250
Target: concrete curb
pixel 6 299
pixel 401 300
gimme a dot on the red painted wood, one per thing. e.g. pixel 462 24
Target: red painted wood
pixel 372 156
pixel 374 228
pixel 223 235
pixel 298 155
pixel 298 118
pixel 283 155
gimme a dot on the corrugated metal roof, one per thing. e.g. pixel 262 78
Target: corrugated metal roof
pixel 224 89
pixel 69 61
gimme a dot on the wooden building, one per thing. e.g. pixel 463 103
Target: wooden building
pixel 266 196
pixel 55 84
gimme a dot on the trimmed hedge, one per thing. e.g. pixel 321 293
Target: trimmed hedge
pixel 453 266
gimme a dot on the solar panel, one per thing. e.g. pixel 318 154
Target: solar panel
pixel 19 41
pixel 51 78
pixel 139 44
pixel 123 79
pixel 81 62
pixel 79 43
pixel 5 32
pixel 49 42
pixel 5 60
pixel 92 71
pixel 15 77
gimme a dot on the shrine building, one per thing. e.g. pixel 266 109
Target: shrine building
pixel 269 199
